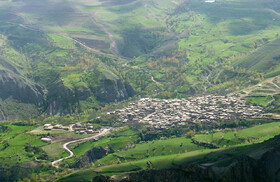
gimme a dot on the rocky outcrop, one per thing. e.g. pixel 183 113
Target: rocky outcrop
pixel 269 165
pixel 203 144
pixel 175 175
pixel 90 156
pixel 241 171
pixel 15 86
pixel 2 114
pixel 63 100
pixel 57 99
pixel 112 88
pixel 102 178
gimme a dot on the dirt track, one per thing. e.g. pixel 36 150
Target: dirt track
pixel 65 145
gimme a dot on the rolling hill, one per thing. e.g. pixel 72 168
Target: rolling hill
pixel 75 62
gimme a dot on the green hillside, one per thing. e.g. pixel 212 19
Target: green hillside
pixel 82 64
pixel 265 59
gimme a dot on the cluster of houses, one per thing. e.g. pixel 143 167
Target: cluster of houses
pixel 78 128
pixel 57 126
pixel 162 113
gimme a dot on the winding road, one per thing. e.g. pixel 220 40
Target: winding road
pixel 65 145
pixel 113 44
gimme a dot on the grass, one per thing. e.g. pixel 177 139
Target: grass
pixel 118 140
pixel 172 152
pixel 257 134
pixel 115 144
pixel 214 36
pixel 74 80
pixel 14 130
pixel 149 149
pixel 221 157
pixel 62 42
pixel 264 59
pixel 81 176
pixel 159 147
pixel 55 150
pixel 13 143
pixel 259 100
pixel 254 134
pixel 158 162
pixel 275 105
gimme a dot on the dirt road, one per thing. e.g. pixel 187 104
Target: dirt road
pixel 65 146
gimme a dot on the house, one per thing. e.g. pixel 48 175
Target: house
pixel 47 125
pixel 46 139
pixel 78 125
pixel 89 131
pixel 82 132
pixel 58 126
pixel 48 128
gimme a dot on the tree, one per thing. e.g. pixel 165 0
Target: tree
pixel 212 137
pixel 222 135
pixel 235 132
pixel 190 133
pixel 25 180
pixel 198 125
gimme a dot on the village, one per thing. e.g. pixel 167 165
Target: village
pixel 78 128
pixel 164 114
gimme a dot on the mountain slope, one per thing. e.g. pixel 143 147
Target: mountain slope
pixel 175 49
pixel 54 74
pixel 266 59
pixel 258 162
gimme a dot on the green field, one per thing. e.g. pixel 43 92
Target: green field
pixel 158 162
pixel 275 105
pixel 171 152
pixel 264 59
pixel 261 100
pixel 13 143
pixel 159 147
pixel 254 134
pixel 150 149
pixel 62 42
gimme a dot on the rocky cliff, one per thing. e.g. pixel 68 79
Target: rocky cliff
pixel 62 99
pixel 16 86
pixel 58 99
pixel 90 156
pixel 112 88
